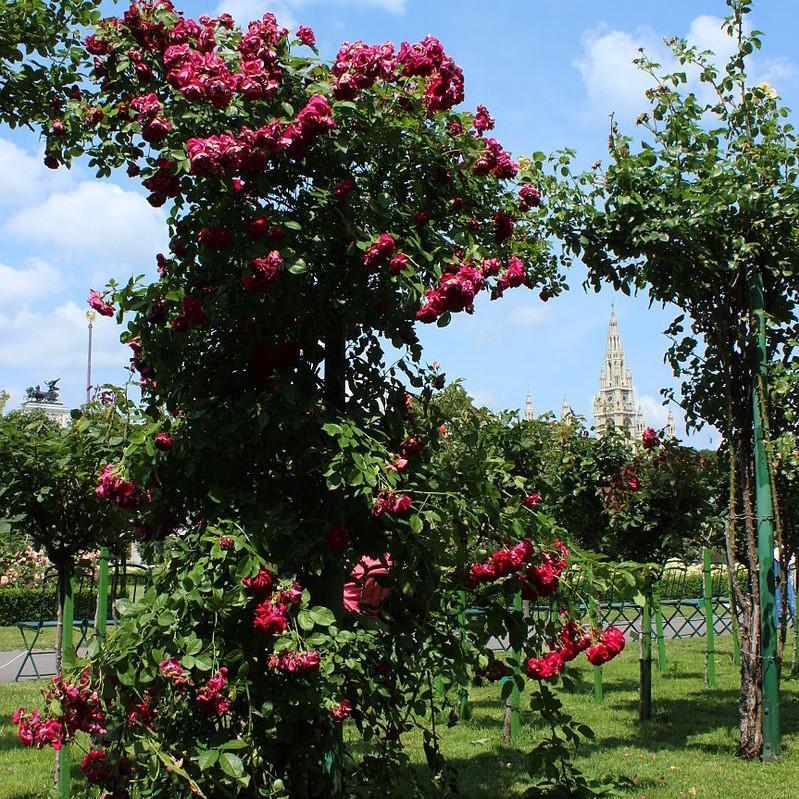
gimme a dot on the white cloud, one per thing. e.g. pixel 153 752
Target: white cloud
pixel 34 281
pixel 612 81
pixel 614 84
pixel 655 413
pixel 98 220
pixel 24 177
pixel 526 316
pixel 56 340
pixel 706 33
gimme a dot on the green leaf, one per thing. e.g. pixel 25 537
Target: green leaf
pixel 231 764
pixel 207 758
pixel 322 616
pixel 305 620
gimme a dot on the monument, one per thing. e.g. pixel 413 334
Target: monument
pixel 47 402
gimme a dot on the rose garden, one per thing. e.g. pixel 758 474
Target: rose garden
pixel 352 581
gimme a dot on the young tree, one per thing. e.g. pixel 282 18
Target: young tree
pixel 48 488
pixel 701 215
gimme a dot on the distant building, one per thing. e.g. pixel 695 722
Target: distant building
pixel 47 402
pixel 529 413
pixel 615 403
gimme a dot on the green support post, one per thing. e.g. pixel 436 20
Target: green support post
pixel 67 622
pixel 102 596
pixel 659 628
pixel 515 696
pixel 463 692
pixel 67 664
pixel 645 662
pixel 765 540
pixel 710 637
pixel 594 616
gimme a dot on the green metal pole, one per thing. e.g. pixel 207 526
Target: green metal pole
pixel 594 616
pixel 67 621
pixel 765 541
pixel 463 692
pixel 645 683
pixel 67 664
pixel 710 649
pixel 102 596
pixel 659 628
pixel 515 696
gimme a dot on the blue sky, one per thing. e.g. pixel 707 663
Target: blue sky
pixel 549 71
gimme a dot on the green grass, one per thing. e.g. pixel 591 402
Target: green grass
pixel 686 752
pixel 11 639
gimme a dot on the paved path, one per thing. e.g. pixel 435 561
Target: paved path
pixel 9 663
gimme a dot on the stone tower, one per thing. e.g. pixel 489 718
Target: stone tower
pixel 615 401
pixel 529 413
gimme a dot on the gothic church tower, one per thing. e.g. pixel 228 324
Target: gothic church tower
pixel 615 402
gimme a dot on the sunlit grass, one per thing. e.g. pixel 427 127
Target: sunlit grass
pixel 687 751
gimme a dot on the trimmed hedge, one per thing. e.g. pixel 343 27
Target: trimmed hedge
pixel 25 604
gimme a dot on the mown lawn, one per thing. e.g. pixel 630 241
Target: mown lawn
pixel 685 752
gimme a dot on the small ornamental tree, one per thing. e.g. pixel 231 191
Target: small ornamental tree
pixel 701 214
pixel 664 503
pixel 48 489
pixel 318 212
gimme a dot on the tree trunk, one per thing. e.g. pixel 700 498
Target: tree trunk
pixel 750 702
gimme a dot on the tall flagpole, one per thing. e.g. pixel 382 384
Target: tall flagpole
pixel 90 316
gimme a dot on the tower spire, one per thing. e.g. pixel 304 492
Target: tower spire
pixel 615 403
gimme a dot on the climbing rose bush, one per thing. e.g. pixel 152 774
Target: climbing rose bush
pixel 318 213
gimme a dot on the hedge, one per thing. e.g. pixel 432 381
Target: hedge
pixel 25 604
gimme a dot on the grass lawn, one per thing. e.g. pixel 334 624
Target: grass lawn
pixel 685 752
pixel 11 639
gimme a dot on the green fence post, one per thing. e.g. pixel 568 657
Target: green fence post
pixel 645 662
pixel 102 596
pixel 659 628
pixel 594 617
pixel 515 696
pixel 710 633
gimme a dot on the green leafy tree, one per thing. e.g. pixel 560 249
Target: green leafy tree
pixel 700 211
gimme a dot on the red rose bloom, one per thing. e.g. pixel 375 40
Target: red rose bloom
pixel 531 500
pixel 163 442
pixel 270 619
pixel 99 304
pixel 260 585
pixel 306 36
pixel 545 668
pixel 337 538
pixel 343 189
pixel 650 439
